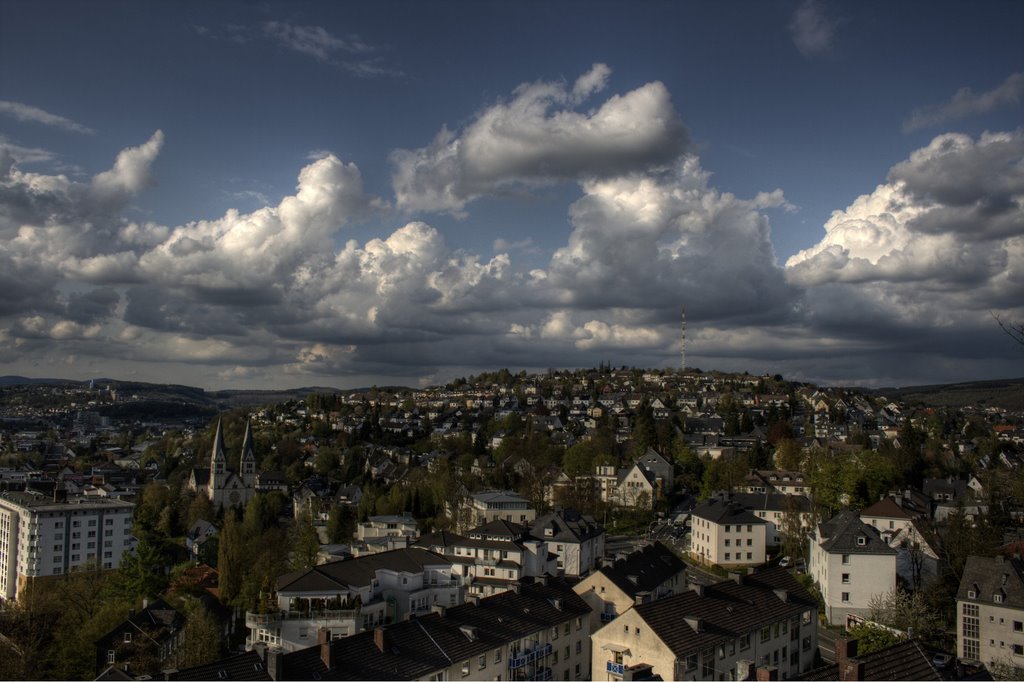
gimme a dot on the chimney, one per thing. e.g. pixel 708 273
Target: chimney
pixel 769 674
pixel 323 638
pixel 745 670
pixel 846 651
pixel 378 639
pixel 274 663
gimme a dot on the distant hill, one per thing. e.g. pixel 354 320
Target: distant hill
pixel 1002 393
pixel 12 380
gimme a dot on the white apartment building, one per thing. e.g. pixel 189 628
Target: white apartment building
pixel 715 632
pixel 42 536
pixel 576 539
pixel 493 505
pixel 389 526
pixel 724 533
pixel 990 613
pixel 851 564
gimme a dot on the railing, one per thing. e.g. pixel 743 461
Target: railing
pixel 529 656
pixel 616 668
pixel 541 674
pixel 253 620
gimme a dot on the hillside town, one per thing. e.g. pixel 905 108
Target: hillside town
pixel 600 524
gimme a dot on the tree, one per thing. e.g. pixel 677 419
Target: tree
pixel 231 556
pixel 201 637
pixel 871 638
pixel 909 612
pixel 1015 330
pixel 788 454
pixel 307 543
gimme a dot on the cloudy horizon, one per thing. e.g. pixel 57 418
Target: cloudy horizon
pixel 299 194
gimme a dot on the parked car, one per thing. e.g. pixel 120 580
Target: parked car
pixel 942 661
pixel 785 562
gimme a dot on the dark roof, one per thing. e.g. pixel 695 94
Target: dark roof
pixel 886 508
pixel 421 646
pixel 906 660
pixel 442 538
pixel 247 666
pixel 726 610
pixel 842 533
pixel 772 502
pixel 567 525
pixel 989 576
pixel 359 571
pixel 644 569
pixel 201 476
pixel 499 528
pixel 721 510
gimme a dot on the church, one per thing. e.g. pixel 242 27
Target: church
pixel 224 487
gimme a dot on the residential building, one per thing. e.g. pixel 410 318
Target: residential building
pixel 576 539
pixel 48 535
pixel 782 512
pixel 492 557
pixel 536 631
pixel 714 632
pixel 390 526
pixel 652 572
pixel 723 532
pixel 144 642
pixel 851 564
pixel 353 595
pixel 775 481
pixel 494 505
pixel 990 612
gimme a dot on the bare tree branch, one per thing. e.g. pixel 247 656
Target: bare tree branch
pixel 1015 330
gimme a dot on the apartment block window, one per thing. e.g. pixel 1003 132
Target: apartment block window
pixel 127 637
pixel 728 529
pixel 108 522
pixel 749 543
pixel 110 655
pixel 465 668
pixel 1018 649
pixel 846 559
pixel 482 662
pixel 497 656
pixel 766 633
pixel 846 578
pixel 566 629
pixel 727 542
pixel 1018 626
pixel 750 555
pixel 845 597
pixel 579 647
pixel 727 556
pixel 744 642
pixel 750 528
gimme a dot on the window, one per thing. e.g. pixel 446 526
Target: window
pixel 579 624
pixel 727 542
pixel 744 642
pixel 728 529
pixel 766 633
pixel 845 597
pixel 1018 626
pixel 566 630
pixel 465 668
pixel 846 578
pixel 750 543
pixel 1018 649
pixel 497 655
pixel 482 662
pixel 997 598
pixel 846 559
pixel 110 652
pixel 637 632
pixel 727 556
pixel 750 555
pixel 579 648
pixel 750 528
pixel 971 648
pixel 691 662
pixel 861 541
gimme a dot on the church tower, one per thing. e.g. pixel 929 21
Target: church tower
pixel 248 459
pixel 218 465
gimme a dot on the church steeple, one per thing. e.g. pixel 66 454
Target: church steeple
pixel 248 459
pixel 218 463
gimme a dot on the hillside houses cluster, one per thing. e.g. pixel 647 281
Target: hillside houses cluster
pixel 509 574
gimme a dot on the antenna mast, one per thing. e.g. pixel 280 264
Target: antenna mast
pixel 682 359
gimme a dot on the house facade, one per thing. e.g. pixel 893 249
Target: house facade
pixel 42 536
pixel 723 532
pixel 851 564
pixel 353 595
pixel 990 613
pixel 715 632
pixel 574 538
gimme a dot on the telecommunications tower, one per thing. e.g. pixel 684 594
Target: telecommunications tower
pixel 682 359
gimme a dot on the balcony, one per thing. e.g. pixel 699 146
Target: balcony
pixel 616 668
pixel 265 620
pixel 530 656
pixel 541 674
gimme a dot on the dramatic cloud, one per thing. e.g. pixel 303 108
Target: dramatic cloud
pixel 659 241
pixel 927 255
pixel 812 31
pixel 966 103
pixel 26 112
pixel 538 138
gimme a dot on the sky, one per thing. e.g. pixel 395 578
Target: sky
pixel 284 194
